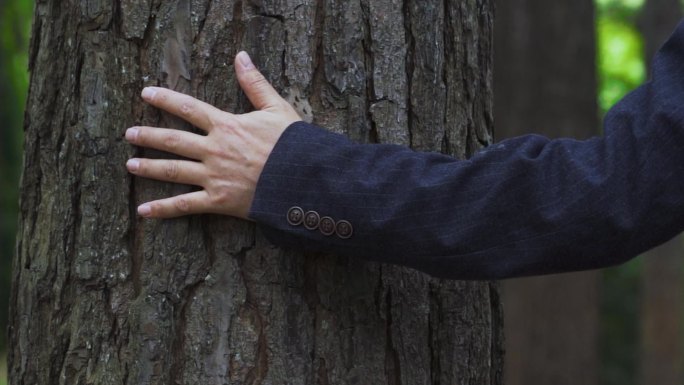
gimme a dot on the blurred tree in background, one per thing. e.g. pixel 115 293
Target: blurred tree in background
pixel 661 353
pixel 15 20
pixel 545 83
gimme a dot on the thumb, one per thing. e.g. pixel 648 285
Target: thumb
pixel 254 84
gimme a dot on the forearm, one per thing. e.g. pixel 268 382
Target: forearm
pixel 506 212
pixel 524 206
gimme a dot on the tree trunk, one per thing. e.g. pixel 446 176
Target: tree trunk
pixel 662 286
pixel 102 296
pixel 546 84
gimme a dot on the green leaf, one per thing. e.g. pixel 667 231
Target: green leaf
pixel 621 64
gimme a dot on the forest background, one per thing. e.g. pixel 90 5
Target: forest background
pixel 620 65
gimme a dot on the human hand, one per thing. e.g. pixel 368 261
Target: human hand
pixel 227 162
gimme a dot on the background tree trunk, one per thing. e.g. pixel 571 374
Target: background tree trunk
pixel 545 78
pixel 101 296
pixel 662 289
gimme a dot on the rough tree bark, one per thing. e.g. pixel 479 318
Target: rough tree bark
pixel 662 289
pixel 546 84
pixel 101 296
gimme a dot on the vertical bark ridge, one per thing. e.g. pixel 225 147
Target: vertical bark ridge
pixel 392 363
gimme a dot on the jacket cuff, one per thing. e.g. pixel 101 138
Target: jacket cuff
pixel 290 178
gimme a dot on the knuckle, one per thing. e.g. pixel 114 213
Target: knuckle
pixel 142 167
pixel 225 125
pixel 221 195
pixel 142 135
pixel 284 106
pixel 215 151
pixel 172 141
pixel 161 96
pixel 183 204
pixel 171 170
pixel 258 84
pixel 257 80
pixel 187 108
pixel 155 209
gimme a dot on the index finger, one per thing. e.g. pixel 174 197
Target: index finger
pixel 198 113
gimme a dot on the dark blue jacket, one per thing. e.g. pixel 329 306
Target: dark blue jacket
pixel 524 206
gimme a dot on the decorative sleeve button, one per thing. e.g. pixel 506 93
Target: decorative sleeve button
pixel 295 216
pixel 312 220
pixel 327 226
pixel 344 229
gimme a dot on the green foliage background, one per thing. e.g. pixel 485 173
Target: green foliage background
pixel 620 67
pixel 15 21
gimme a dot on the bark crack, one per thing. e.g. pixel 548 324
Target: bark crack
pixel 136 235
pixel 36 188
pixel 256 374
pixel 497 352
pixel 392 363
pixel 369 62
pixel 202 22
pixel 280 18
pixel 178 358
pixel 318 79
pixel 36 35
pixel 433 333
pixel 238 23
pixel 117 18
pixel 447 33
pixel 410 51
pixel 313 301
pixel 150 26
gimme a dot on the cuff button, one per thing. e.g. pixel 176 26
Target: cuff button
pixel 344 229
pixel 295 216
pixel 327 226
pixel 312 220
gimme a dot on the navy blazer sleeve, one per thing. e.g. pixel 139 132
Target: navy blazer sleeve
pixel 524 206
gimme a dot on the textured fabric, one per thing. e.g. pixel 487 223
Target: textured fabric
pixel 524 206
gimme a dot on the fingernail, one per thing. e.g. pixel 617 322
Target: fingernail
pixel 133 165
pixel 148 93
pixel 132 134
pixel 245 60
pixel 144 210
